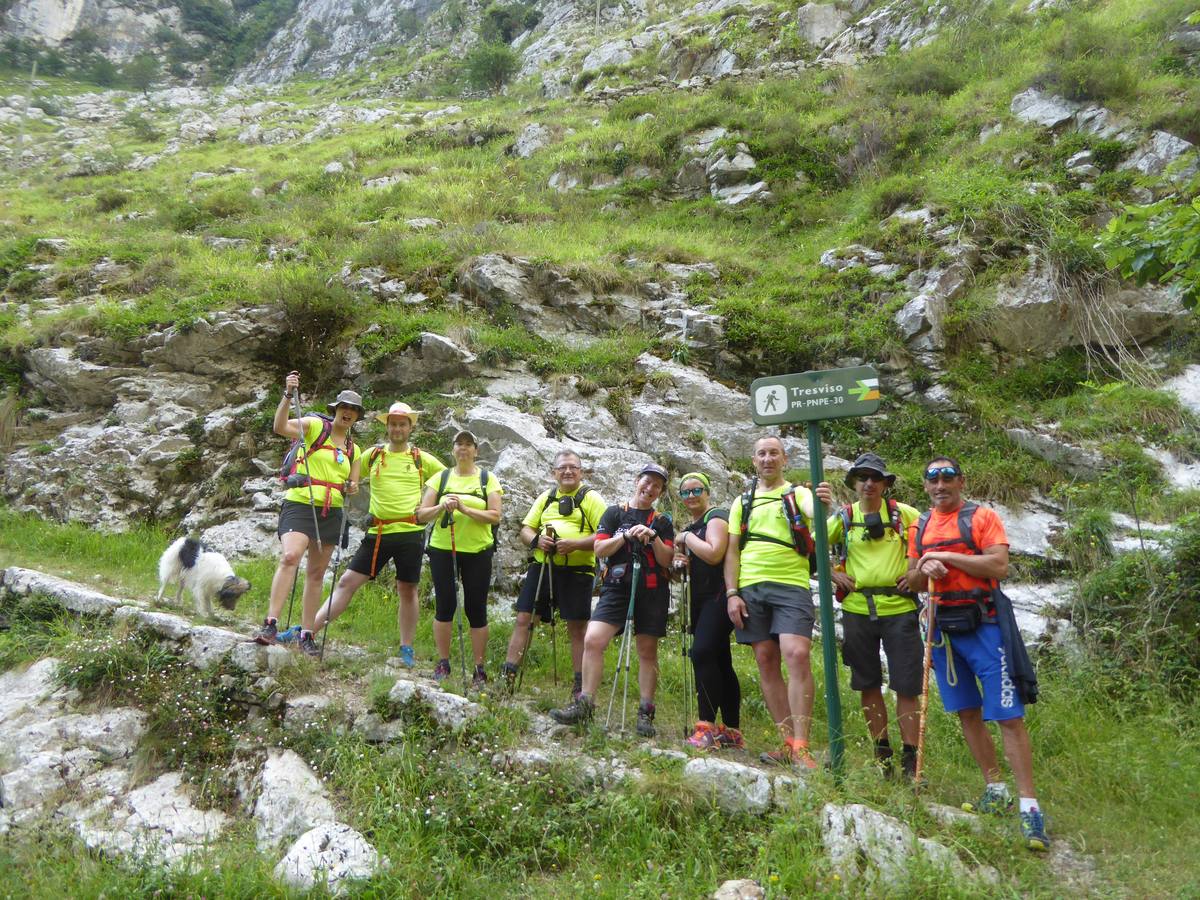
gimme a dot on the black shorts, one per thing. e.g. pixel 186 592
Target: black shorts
pixel 649 609
pixel 405 548
pixel 298 518
pixel 901 640
pixel 475 575
pixel 572 593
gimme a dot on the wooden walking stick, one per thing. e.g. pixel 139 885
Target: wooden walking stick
pixel 927 665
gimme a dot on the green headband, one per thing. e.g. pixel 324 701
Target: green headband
pixel 700 477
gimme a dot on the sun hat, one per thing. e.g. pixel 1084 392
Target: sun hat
pixel 399 409
pixel 871 463
pixel 348 398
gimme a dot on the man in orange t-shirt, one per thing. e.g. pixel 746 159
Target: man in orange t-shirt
pixel 960 578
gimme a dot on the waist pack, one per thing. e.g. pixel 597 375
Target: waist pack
pixel 959 619
pixel 618 574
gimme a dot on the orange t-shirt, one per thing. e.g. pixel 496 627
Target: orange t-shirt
pixel 986 531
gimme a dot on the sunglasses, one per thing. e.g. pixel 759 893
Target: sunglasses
pixel 945 473
pixel 870 476
pixel 339 456
pixel 691 492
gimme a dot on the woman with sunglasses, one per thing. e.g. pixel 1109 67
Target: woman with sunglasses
pixel 700 547
pixel 325 471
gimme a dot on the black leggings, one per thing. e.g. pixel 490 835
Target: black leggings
pixel 475 573
pixel 717 685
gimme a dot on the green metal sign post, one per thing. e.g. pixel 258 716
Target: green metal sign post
pixel 814 397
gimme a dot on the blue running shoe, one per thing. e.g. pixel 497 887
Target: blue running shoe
pixel 289 636
pixel 407 658
pixel 1033 830
pixel 993 802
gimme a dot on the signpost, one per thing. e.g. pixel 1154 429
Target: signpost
pixel 814 397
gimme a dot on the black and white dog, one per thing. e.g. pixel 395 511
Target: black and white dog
pixel 205 573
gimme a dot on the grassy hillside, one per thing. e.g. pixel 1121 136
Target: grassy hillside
pixel 1114 757
pixel 842 148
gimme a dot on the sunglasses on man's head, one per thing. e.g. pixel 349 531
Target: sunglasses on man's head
pixel 947 473
pixel 691 492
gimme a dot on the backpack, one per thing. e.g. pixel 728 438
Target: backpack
pixel 483 481
pixel 969 608
pixel 291 460
pixel 577 501
pixel 846 514
pixel 802 540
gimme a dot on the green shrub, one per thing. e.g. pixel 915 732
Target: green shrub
pixel 489 66
pixel 108 199
pixel 143 129
pixel 1088 61
pixel 1142 611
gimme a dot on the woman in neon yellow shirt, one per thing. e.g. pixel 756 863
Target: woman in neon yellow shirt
pixel 469 499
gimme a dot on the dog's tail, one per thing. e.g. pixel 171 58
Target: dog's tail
pixel 190 552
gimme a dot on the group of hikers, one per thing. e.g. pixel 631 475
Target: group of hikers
pixel 747 569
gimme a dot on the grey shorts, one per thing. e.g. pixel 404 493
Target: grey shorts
pixel 901 640
pixel 774 609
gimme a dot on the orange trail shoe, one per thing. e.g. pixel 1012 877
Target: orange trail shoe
pixel 704 737
pixel 730 739
pixel 801 758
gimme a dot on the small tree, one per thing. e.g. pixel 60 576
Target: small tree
pixel 490 66
pixel 142 72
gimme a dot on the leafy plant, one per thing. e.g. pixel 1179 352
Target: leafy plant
pixel 1158 243
pixel 490 66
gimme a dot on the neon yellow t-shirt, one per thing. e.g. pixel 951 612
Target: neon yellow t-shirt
pixel 470 536
pixel 323 465
pixel 766 560
pixel 396 485
pixel 582 521
pixel 875 563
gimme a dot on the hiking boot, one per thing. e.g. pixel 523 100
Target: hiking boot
pixel 704 737
pixel 645 720
pixel 1033 830
pixel 508 673
pixel 479 680
pixel 993 802
pixel 801 758
pixel 407 658
pixel 730 739
pixel 289 635
pixel 267 634
pixel 441 671
pixel 908 764
pixel 780 757
pixel 307 645
pixel 580 710
pixel 883 758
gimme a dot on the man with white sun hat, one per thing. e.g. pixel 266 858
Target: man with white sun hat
pixel 397 473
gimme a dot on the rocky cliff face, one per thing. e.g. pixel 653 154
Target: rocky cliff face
pixel 122 28
pixel 326 37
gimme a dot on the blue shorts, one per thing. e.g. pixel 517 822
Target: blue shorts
pixel 977 655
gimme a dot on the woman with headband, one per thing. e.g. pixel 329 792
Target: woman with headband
pixel 701 548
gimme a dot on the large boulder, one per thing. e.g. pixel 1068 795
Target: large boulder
pixel 864 843
pixel 1159 153
pixel 429 362
pixel 1035 315
pixel 290 801
pixel 1039 108
pixel 902 24
pixel 331 856
pixel 734 787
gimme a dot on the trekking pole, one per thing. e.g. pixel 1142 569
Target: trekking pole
pixel 537 594
pixel 337 561
pixel 624 651
pixel 462 652
pixel 928 663
pixel 553 612
pixel 685 608
pixel 312 503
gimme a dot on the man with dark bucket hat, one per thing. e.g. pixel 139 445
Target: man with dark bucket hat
pixel 326 468
pixel 397 473
pixel 624 530
pixel 878 608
